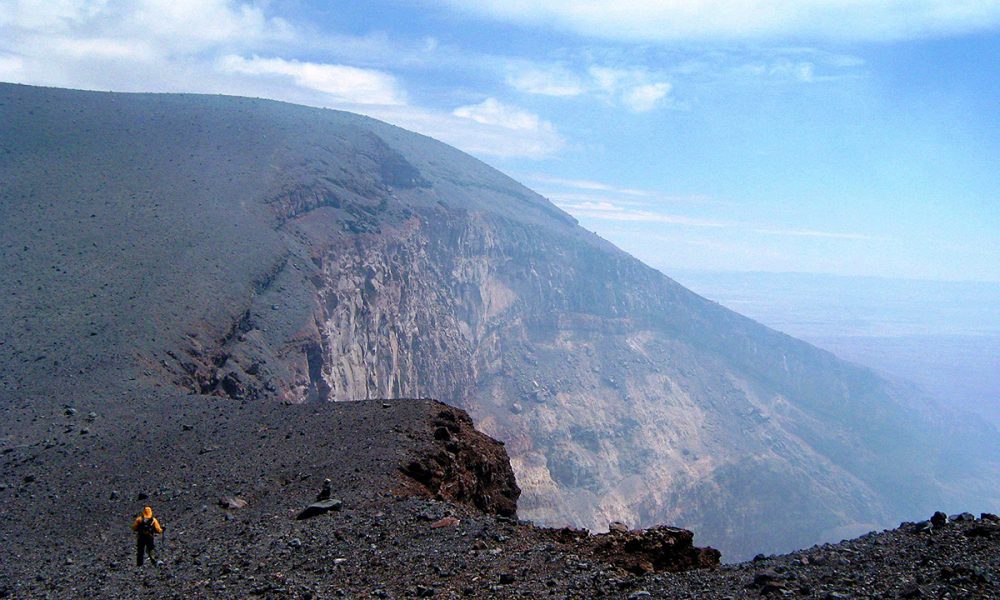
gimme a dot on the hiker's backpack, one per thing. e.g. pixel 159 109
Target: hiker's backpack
pixel 146 528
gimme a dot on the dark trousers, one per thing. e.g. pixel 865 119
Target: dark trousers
pixel 144 544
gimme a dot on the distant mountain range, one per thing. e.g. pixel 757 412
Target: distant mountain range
pixel 267 252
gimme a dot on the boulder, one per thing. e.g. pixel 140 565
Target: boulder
pixel 232 502
pixel 618 527
pixel 319 508
pixel 985 530
pixel 644 551
pixel 445 522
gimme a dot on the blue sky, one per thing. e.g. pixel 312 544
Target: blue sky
pixel 831 136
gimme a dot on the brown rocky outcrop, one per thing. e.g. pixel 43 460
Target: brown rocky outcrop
pixel 653 550
pixel 465 466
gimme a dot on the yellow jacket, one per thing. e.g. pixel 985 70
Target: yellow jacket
pixel 147 513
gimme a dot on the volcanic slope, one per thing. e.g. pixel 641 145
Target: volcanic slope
pixel 264 251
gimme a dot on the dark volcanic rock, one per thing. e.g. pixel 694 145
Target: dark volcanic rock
pixel 319 508
pixel 656 549
pixel 466 466
pixel 939 520
pixel 645 551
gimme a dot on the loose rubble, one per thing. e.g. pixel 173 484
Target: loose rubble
pixel 393 536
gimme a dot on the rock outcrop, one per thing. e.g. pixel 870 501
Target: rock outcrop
pixel 465 466
pixel 654 550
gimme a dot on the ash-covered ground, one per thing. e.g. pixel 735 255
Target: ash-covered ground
pixel 425 512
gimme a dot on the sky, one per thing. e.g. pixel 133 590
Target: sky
pixel 854 137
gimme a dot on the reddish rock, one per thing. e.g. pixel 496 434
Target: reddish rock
pixel 642 551
pixel 655 549
pixel 466 466
pixel 445 522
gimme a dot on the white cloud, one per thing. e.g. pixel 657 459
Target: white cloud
pixel 233 47
pixel 201 23
pixel 547 81
pixel 607 210
pixel 642 98
pixel 670 20
pixel 813 233
pixel 48 15
pixel 492 112
pixel 636 89
pixel 117 44
pixel 101 48
pixel 803 71
pixel 339 83
pixel 11 67
pixel 535 137
pixel 586 185
pixel 769 65
pixel 844 61
pixel 608 79
pixel 185 26
pixel 488 134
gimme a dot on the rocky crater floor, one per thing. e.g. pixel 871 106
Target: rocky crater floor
pixel 426 509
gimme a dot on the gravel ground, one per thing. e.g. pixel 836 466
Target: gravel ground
pixel 73 477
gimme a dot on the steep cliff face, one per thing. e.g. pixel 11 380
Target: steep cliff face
pixel 609 414
pixel 273 252
pixel 621 396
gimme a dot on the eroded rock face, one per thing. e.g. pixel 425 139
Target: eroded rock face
pixel 609 412
pixel 466 466
pixel 618 393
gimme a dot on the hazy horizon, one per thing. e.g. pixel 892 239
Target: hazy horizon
pixel 943 336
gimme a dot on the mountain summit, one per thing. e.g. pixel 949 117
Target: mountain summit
pixel 267 252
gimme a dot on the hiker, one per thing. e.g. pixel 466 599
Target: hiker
pixel 145 527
